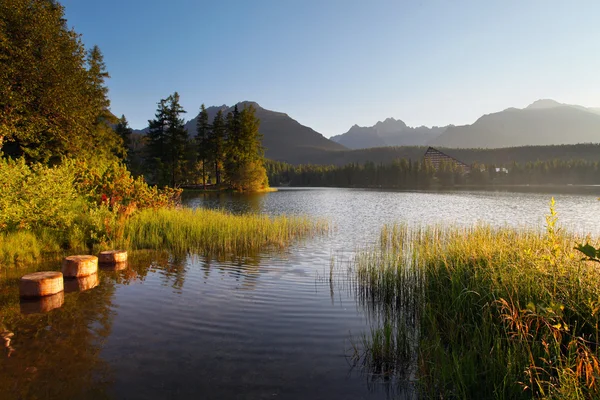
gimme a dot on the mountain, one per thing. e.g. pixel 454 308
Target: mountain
pixel 549 103
pixel 544 122
pixel 390 132
pixel 284 138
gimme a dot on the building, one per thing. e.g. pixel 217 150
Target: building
pixel 436 157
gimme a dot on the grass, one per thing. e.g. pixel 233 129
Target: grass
pixel 214 232
pixel 482 312
pixel 171 229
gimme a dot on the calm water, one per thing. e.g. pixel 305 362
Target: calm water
pixel 270 326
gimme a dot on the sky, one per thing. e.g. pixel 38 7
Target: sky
pixel 330 64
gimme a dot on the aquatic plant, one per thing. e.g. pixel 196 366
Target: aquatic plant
pixel 214 232
pixel 492 312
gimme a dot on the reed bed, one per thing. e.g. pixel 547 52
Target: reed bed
pixel 482 312
pixel 215 232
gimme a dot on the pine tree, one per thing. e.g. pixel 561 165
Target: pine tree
pixel 105 139
pixel 124 131
pixel 202 140
pixel 233 146
pixel 246 171
pixel 216 146
pixel 167 142
pixel 156 141
pixel 50 89
pixel 177 139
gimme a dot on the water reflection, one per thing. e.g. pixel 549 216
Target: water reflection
pixel 236 203
pixel 118 266
pixel 81 284
pixel 42 305
pixel 55 341
pixel 264 326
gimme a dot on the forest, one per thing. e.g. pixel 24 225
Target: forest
pixel 408 174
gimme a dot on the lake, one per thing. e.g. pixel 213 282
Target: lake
pixel 263 327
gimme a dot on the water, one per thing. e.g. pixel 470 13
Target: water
pixel 270 326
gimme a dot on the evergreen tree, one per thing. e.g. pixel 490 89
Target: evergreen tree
pixel 216 144
pixel 124 131
pixel 245 168
pixel 202 140
pixel 104 137
pixel 177 139
pixel 155 145
pixel 233 146
pixel 167 142
pixel 51 91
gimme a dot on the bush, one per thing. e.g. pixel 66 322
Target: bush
pixel 80 204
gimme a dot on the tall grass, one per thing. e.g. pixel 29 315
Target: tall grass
pixel 214 232
pixel 489 312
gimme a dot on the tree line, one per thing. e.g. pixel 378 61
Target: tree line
pixel 54 105
pixel 409 174
pixel 53 97
pixel 225 152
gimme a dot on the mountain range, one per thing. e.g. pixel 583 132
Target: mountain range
pixel 284 138
pixel 544 122
pixel 390 132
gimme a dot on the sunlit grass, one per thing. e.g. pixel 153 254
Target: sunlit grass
pixel 492 312
pixel 23 247
pixel 215 232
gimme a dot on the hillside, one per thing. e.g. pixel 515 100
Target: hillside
pixel 390 132
pixel 284 138
pixel 544 122
pixel 501 156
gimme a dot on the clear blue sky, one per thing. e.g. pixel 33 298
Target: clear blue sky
pixel 333 63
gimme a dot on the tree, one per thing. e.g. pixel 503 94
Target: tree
pixel 245 167
pixel 202 143
pixel 53 101
pixel 155 145
pixel 177 139
pixel 216 144
pixel 167 142
pixel 105 139
pixel 124 131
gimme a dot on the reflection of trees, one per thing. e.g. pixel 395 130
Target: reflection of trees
pixel 57 354
pixel 238 203
pixel 245 270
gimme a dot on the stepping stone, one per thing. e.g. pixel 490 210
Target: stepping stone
pixel 41 284
pixel 112 256
pixel 78 266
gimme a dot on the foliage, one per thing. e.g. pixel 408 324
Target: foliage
pixel 202 141
pixel 244 154
pixel 124 131
pixel 492 313
pixel 167 142
pixel 54 100
pixel 417 174
pixel 216 145
pixel 78 203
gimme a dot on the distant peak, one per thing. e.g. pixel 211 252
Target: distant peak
pixel 247 103
pixel 544 103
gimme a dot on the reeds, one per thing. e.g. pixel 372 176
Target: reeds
pixel 492 312
pixel 215 232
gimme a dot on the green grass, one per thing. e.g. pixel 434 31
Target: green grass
pixel 214 232
pixel 481 312
pixel 179 230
